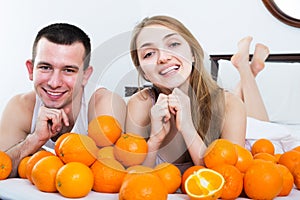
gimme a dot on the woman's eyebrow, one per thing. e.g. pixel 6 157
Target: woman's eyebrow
pixel 170 35
pixel 145 45
pixel 164 38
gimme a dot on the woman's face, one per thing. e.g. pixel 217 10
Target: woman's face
pixel 165 56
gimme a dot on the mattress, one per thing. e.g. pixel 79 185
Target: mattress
pixel 19 189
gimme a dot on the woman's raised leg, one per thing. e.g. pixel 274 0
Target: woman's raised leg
pixel 247 89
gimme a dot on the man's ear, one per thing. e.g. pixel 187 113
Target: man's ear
pixel 29 65
pixel 87 74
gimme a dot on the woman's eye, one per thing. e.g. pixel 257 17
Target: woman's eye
pixel 147 55
pixel 174 44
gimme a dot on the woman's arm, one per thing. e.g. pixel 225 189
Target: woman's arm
pixel 179 104
pixel 141 113
pixel 235 119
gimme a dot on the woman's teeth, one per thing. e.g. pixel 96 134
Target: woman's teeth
pixel 169 69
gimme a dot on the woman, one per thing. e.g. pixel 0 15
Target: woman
pixel 185 110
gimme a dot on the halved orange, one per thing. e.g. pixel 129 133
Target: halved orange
pixel 204 184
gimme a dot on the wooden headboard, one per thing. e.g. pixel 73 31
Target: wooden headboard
pixel 285 57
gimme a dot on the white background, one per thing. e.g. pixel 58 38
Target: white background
pixel 218 25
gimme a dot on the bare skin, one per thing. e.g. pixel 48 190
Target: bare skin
pixel 168 122
pixel 59 80
pixel 247 89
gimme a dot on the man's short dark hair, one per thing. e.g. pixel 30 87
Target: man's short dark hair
pixel 65 34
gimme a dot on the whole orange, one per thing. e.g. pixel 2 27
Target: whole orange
pixel 33 160
pixel 5 165
pixel 297 148
pixel 277 156
pixel 108 175
pixel 78 148
pixel 296 176
pixel 139 169
pixel 220 151
pixel 74 180
pixel 142 186
pixel 233 181
pixel 105 130
pixel 262 180
pixel 44 173
pixel 262 145
pixel 288 180
pixel 59 140
pixel 244 158
pixel 170 176
pixel 22 167
pixel 265 156
pixel 186 174
pixel 106 152
pixel 130 149
pixel 290 159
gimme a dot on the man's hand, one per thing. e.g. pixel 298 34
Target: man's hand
pixel 50 122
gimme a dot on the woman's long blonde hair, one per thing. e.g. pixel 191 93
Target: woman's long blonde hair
pixel 207 98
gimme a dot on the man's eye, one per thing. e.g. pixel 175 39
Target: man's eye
pixel 69 70
pixel 44 67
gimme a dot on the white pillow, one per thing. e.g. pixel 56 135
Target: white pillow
pixel 279 85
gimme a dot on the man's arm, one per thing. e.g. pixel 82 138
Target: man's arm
pixel 15 137
pixel 15 126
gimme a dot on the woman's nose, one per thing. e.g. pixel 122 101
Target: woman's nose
pixel 164 56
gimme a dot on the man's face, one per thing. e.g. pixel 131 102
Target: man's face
pixel 57 73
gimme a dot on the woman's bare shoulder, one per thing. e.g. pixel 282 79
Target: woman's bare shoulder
pixel 143 96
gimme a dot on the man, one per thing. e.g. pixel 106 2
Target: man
pixel 60 70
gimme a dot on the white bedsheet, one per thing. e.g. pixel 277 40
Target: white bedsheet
pixel 19 189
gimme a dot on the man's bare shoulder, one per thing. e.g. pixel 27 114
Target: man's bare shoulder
pixel 24 101
pixel 20 108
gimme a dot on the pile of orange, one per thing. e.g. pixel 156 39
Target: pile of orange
pixel 67 171
pixel 99 168
pixel 229 170
pixel 259 172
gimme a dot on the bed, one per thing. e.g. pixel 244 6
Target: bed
pixel 279 85
pixel 279 81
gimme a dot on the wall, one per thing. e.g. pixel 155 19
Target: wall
pixel 217 24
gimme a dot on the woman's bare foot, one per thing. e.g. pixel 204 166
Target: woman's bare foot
pixel 242 56
pixel 261 53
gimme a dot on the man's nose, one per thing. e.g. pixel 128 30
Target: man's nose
pixel 55 79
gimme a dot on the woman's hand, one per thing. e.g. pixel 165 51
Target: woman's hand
pixel 160 120
pixel 180 106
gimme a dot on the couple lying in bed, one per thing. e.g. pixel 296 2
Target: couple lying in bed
pixel 180 115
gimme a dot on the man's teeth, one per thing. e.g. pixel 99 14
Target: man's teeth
pixel 54 93
pixel 169 69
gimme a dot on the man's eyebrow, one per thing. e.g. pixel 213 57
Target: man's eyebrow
pixel 66 66
pixel 164 38
pixel 43 63
pixel 71 66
